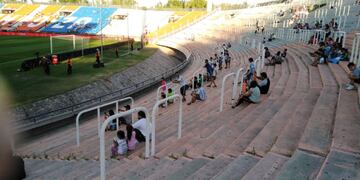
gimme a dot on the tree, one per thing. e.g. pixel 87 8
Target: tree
pixel 174 4
pixel 196 4
pixel 125 3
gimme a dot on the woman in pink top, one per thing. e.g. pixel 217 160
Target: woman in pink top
pixel 131 137
pixel 163 85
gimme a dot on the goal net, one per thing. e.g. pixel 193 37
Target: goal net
pixel 67 43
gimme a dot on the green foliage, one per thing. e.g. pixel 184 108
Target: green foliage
pixel 125 3
pixel 227 6
pixel 196 4
pixel 174 4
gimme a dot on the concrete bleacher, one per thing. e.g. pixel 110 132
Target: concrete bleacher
pixel 306 128
pixel 40 18
pixel 9 21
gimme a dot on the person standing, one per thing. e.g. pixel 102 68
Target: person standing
pixel 46 65
pixel 117 52
pixel 182 81
pixel 69 66
pixel 97 55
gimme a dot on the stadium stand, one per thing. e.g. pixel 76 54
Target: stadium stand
pixel 37 20
pixel 9 22
pixel 305 128
pixel 185 20
pixel 85 20
pixel 123 17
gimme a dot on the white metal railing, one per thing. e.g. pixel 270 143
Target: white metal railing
pixel 223 89
pixel 99 116
pixel 355 50
pixel 236 82
pixel 102 136
pixel 167 86
pixel 340 35
pixel 153 119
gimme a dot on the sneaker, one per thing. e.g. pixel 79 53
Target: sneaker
pixel 350 87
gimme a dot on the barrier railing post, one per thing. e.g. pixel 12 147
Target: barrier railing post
pixel 102 136
pixel 235 85
pixel 223 89
pixel 153 120
pixel 98 116
pixel 99 120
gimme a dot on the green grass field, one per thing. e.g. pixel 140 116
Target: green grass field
pixel 33 85
pixel 20 47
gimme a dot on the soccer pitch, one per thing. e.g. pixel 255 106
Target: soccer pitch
pixel 34 85
pixel 24 47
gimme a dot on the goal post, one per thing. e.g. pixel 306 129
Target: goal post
pixel 68 43
pixel 65 42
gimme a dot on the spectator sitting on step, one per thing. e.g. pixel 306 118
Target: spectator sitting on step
pixel 335 56
pixel 251 96
pixel 198 94
pixel 264 83
pixel 119 145
pixel 345 53
pixel 354 76
pixel 112 125
pixel 277 59
pixel 169 94
pixel 128 118
pixel 131 137
pixel 267 53
pixel 140 127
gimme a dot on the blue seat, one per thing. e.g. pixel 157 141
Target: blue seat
pixel 86 20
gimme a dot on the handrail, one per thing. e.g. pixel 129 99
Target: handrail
pixel 98 115
pixel 153 119
pixel 236 81
pixel 257 66
pixel 338 35
pixel 158 93
pixel 102 134
pixel 223 89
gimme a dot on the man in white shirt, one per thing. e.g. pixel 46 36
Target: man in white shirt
pixel 182 81
pixel 140 127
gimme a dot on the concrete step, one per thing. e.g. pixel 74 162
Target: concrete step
pixel 189 169
pixel 347 116
pixel 212 168
pixel 237 168
pixel 264 141
pixel 289 138
pixel 340 165
pixel 267 168
pixel 301 165
pixel 165 171
pixel 318 131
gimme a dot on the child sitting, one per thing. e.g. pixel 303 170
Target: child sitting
pixel 119 145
